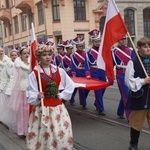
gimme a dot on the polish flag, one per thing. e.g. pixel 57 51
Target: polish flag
pixel 114 30
pixel 33 47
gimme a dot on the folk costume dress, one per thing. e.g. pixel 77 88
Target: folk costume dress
pixel 7 83
pixel 121 56
pixel 54 130
pixel 18 106
pixel 3 80
pixel 96 73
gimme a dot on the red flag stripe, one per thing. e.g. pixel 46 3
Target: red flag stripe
pixel 33 48
pixel 114 30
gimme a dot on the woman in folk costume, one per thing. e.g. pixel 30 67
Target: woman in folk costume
pixel 18 106
pixel 7 83
pixel 53 131
pixel 3 60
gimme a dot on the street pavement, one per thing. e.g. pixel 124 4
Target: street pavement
pixel 9 140
pixel 91 131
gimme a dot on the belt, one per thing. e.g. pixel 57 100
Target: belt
pixel 120 71
pixel 80 68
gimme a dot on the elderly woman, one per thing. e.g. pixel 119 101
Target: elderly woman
pixel 49 125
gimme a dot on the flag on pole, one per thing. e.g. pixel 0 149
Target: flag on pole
pixel 33 47
pixel 114 30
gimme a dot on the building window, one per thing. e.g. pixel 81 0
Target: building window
pixel 24 44
pixel 56 11
pixel 7 3
pixel 58 38
pixel 10 28
pixel 40 13
pixel 16 24
pixel 23 22
pixel 146 20
pixel 5 31
pixel 80 35
pixel 102 23
pixel 30 17
pixel 17 46
pixel 129 20
pixel 79 10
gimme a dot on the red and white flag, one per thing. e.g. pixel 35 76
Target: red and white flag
pixel 114 30
pixel 33 47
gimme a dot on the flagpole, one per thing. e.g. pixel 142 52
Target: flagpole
pixel 40 88
pixel 134 48
pixel 35 63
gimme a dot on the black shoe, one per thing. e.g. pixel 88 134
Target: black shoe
pixel 133 147
pixel 22 136
pixel 84 107
pixel 102 113
pixel 72 104
pixel 121 116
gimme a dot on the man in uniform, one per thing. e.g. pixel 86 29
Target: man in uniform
pixel 66 65
pixel 95 72
pixel 78 67
pixel 60 54
pixel 121 56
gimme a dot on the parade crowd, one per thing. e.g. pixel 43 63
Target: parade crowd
pixel 21 96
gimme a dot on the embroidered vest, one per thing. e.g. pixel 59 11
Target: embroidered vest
pixel 50 88
pixel 144 100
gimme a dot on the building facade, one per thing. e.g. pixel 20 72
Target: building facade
pixel 66 19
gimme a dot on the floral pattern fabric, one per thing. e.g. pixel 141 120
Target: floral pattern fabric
pixel 50 132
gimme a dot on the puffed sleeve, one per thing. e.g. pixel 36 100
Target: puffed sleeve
pixel 68 85
pixel 32 90
pixel 133 84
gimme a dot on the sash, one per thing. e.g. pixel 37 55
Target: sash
pixel 59 57
pixel 123 55
pixel 94 53
pixel 79 57
pixel 67 60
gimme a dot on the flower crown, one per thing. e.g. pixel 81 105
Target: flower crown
pixel 44 47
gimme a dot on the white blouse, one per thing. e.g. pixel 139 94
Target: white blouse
pixel 133 84
pixel 32 88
